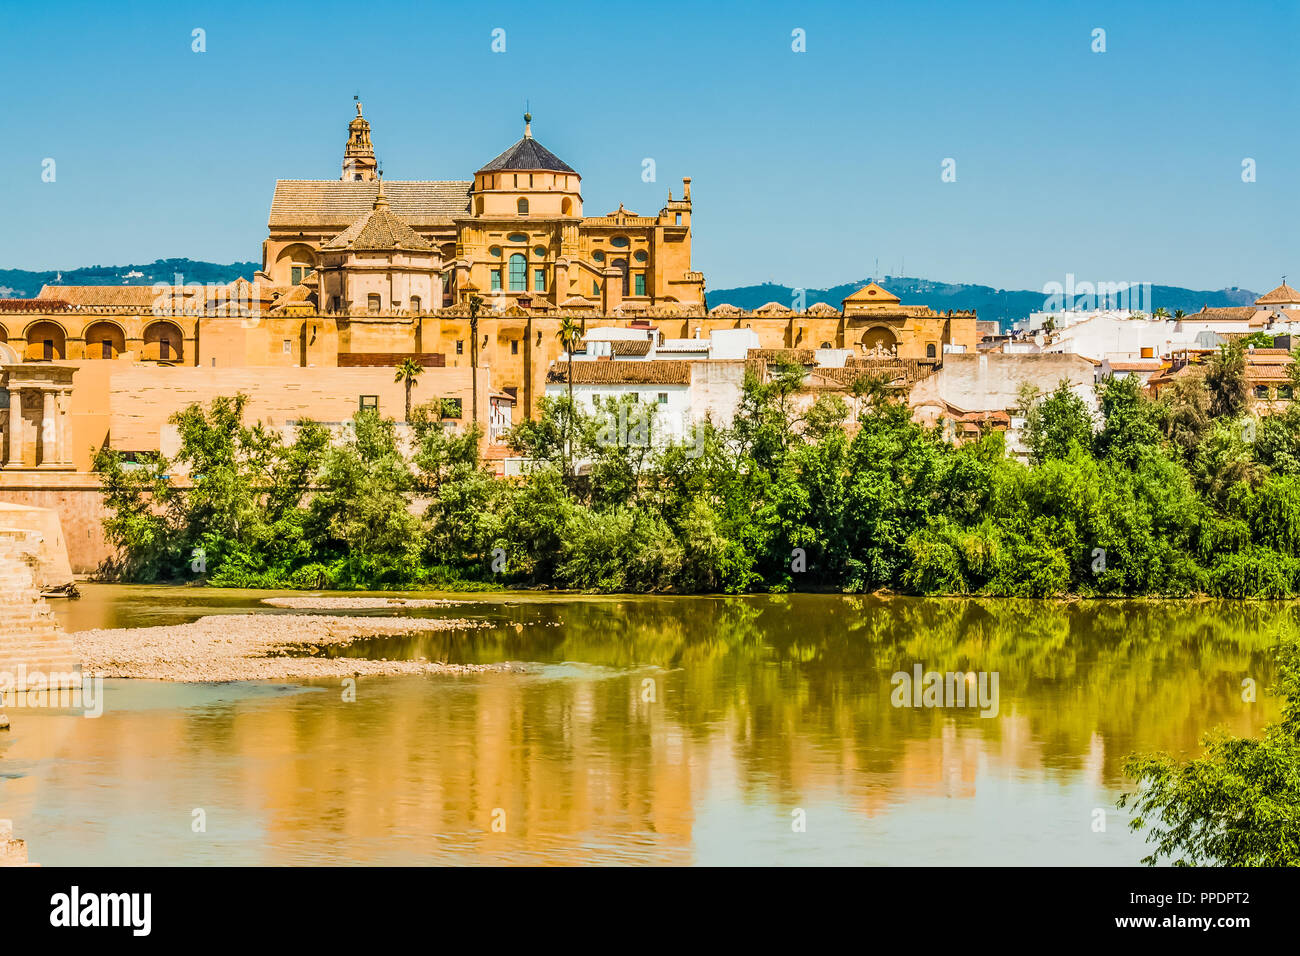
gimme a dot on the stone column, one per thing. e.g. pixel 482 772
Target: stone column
pixel 49 428
pixel 15 457
pixel 61 407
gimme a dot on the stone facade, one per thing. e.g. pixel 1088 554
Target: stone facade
pixel 515 231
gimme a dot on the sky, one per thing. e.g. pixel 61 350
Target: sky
pixel 808 166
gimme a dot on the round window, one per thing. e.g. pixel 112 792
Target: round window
pixel 619 242
pixel 518 237
pixel 495 251
pixel 540 252
pixel 640 256
pixel 598 256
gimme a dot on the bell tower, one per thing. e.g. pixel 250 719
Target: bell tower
pixel 359 155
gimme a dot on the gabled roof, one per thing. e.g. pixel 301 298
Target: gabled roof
pixel 379 230
pixel 648 372
pixel 1232 313
pixel 336 203
pixel 528 154
pixel 130 296
pixel 872 294
pixel 1282 295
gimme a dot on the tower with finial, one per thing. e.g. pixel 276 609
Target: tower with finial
pixel 359 155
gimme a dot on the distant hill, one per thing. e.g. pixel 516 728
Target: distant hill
pixel 21 284
pixel 1005 305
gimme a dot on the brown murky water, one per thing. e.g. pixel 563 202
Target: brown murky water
pixel 649 730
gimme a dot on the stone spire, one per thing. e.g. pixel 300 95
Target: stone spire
pixel 528 126
pixel 359 155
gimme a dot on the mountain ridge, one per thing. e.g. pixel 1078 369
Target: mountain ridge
pixel 1003 305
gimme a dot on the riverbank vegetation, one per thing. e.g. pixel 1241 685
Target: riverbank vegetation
pixel 1236 805
pixel 1190 494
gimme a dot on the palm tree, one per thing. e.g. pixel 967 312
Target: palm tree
pixel 407 373
pixel 1179 313
pixel 475 303
pixel 1160 313
pixel 569 334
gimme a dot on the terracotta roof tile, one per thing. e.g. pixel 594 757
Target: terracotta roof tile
pixel 335 203
pixel 667 372
pixel 1282 295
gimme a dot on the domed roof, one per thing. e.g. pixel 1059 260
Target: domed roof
pixel 379 230
pixel 528 154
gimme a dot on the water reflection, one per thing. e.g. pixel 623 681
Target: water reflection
pixel 660 730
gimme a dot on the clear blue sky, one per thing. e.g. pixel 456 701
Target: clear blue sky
pixel 807 167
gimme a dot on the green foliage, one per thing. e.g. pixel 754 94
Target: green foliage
pixel 1057 423
pixel 1225 377
pixel 1151 498
pixel 1239 803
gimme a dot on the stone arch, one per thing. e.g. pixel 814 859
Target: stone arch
pixel 4 334
pixel 104 340
pixel 163 342
pixel 7 355
pixel 46 341
pixel 297 255
pixel 879 337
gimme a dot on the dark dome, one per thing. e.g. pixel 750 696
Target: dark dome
pixel 528 154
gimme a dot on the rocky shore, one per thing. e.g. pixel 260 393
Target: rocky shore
pixel 253 647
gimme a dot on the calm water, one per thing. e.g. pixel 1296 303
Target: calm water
pixel 761 707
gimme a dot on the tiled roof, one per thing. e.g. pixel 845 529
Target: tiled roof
pixel 630 347
pixel 379 229
pixel 1136 365
pixel 617 346
pixel 669 372
pixel 1267 373
pixel 797 356
pixel 334 202
pixel 134 296
pixel 1238 313
pixel 528 154
pixel 1282 295
pixel 34 305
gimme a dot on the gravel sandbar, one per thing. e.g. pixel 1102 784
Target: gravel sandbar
pixel 355 603
pixel 226 647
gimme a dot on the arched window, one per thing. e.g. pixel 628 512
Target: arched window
pixel 162 341
pixel 523 207
pixel 415 303
pixel 566 206
pixel 621 266
pixel 518 273
pixel 929 350
pixel 372 302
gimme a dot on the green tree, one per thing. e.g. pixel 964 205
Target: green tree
pixel 1239 804
pixel 408 371
pixel 1055 423
pixel 1225 377
pixel 569 334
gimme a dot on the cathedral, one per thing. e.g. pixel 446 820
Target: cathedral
pixel 514 235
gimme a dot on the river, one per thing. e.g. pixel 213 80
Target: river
pixel 659 730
